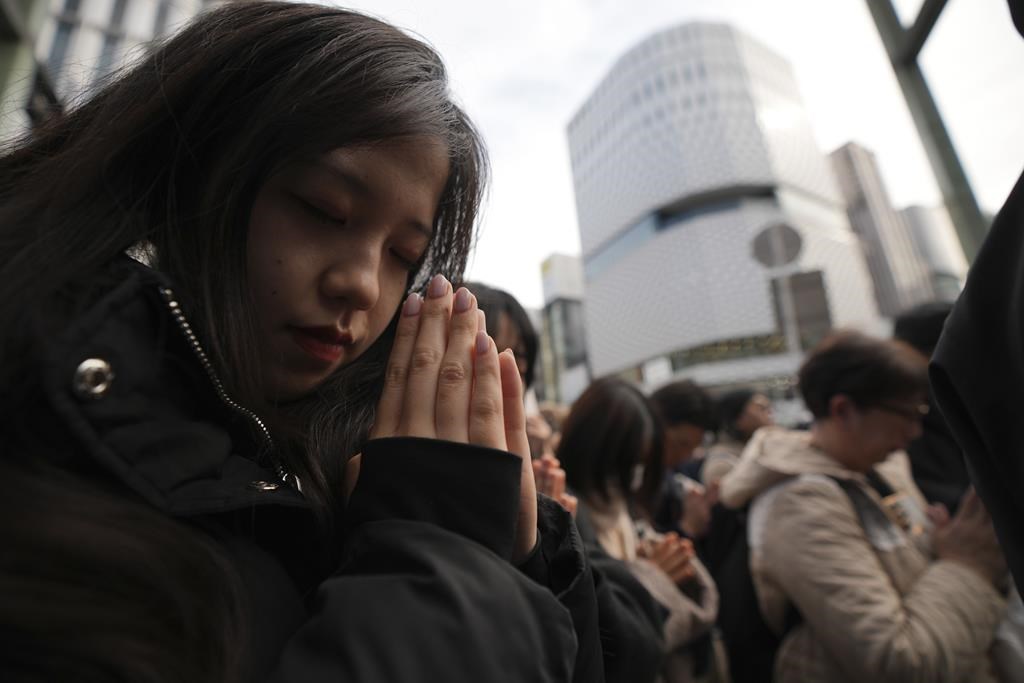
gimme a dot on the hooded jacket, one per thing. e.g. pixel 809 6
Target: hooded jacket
pixel 424 590
pixel 690 611
pixel 977 371
pixel 873 603
pixel 977 376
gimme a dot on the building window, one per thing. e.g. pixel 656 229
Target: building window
pixel 111 43
pixel 59 49
pixel 112 40
pixel 117 16
pixel 634 375
pixel 812 317
pixel 724 350
pixel 163 10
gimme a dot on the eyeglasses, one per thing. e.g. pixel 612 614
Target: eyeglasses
pixel 910 412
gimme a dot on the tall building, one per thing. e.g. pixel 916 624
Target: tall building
pixel 25 93
pixel 84 40
pixel 565 372
pixel 938 247
pixel 715 242
pixel 897 272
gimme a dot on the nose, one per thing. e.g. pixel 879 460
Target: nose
pixel 354 280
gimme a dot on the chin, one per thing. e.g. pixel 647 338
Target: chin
pixel 287 390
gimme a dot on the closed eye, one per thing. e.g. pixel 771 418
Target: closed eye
pixel 318 212
pixel 406 262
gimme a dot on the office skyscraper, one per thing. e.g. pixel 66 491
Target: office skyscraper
pixel 86 39
pixel 899 275
pixel 938 249
pixel 715 243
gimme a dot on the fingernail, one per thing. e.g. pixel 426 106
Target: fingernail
pixel 482 343
pixel 438 287
pixel 413 303
pixel 482 325
pixel 462 300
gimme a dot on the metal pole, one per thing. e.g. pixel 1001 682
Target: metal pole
pixel 903 47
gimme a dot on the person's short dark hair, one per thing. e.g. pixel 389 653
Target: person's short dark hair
pixel 684 402
pixel 493 302
pixel 730 407
pixel 921 325
pixel 868 370
pixel 611 428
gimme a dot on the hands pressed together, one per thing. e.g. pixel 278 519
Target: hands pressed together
pixel 550 478
pixel 673 555
pixel 697 505
pixel 446 380
pixel 969 539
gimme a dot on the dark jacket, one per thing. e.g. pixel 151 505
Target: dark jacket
pixel 937 462
pixel 977 371
pixel 977 376
pixel 424 590
pixel 633 642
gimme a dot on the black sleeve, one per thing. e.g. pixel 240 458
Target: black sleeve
pixel 977 375
pixel 425 591
pixel 630 620
pixel 560 563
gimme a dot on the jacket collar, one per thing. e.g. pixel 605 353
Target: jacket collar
pixel 125 381
pixel 775 454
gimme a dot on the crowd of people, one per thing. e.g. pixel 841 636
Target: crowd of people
pixel 257 427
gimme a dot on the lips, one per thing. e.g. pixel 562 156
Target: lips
pixel 323 343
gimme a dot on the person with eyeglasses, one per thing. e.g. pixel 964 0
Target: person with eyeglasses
pixel 741 412
pixel 852 574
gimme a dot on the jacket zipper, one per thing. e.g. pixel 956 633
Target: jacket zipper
pixel 186 329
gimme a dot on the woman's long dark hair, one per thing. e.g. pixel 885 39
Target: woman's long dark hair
pixel 167 160
pixel 612 428
pixel 171 156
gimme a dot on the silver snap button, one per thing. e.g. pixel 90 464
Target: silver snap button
pixel 93 378
pixel 263 486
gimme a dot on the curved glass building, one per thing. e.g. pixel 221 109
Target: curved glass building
pixel 715 242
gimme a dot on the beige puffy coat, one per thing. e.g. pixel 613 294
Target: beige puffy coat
pixel 876 606
pixel 721 459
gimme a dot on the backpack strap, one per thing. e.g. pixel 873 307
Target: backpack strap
pixel 882 530
pixel 878 483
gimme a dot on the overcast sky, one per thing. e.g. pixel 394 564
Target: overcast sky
pixel 523 67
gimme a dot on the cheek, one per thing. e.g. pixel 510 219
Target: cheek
pixel 268 252
pixel 392 293
pixel 271 276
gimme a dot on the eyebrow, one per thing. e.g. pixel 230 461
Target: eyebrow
pixel 359 186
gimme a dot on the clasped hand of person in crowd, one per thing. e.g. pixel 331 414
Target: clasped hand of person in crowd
pixel 697 506
pixel 547 470
pixel 550 478
pixel 446 380
pixel 672 554
pixel 970 539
